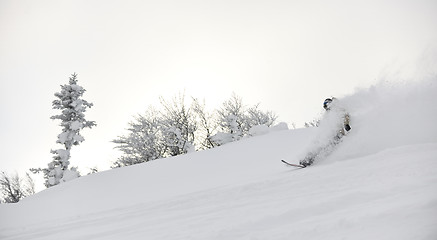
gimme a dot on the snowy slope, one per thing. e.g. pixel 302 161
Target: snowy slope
pixel 380 183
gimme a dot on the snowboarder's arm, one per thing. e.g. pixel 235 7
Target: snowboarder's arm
pixel 347 127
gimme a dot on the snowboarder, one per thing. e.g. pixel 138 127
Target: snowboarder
pixel 340 119
pixel 331 102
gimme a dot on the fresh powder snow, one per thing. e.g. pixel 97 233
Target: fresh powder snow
pixel 380 183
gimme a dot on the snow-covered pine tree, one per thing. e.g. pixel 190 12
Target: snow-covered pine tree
pixel 72 117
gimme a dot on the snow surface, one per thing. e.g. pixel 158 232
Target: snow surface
pixel 380 183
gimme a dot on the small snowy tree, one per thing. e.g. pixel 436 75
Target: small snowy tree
pixel 178 126
pixel 257 117
pixel 143 143
pixel 206 125
pixel 159 134
pixel 231 119
pixel 13 188
pixel 235 120
pixel 72 117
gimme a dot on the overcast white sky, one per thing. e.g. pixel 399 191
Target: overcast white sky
pixel 286 55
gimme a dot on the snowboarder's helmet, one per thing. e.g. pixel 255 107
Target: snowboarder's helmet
pixel 326 103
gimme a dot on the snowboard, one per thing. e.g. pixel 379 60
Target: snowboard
pixel 292 164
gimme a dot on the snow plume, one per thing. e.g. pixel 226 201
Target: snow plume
pixel 390 115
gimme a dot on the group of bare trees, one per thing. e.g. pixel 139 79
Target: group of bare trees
pixel 178 128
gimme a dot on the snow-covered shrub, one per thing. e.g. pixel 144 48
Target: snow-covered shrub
pixel 206 125
pixel 72 117
pixel 235 120
pixel 257 117
pixel 178 126
pixel 13 188
pixel 232 118
pixel 144 141
pixel 158 134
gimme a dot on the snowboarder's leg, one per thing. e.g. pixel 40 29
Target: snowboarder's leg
pixel 309 159
pixel 321 152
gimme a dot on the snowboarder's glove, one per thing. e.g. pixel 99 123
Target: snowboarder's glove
pixel 347 127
